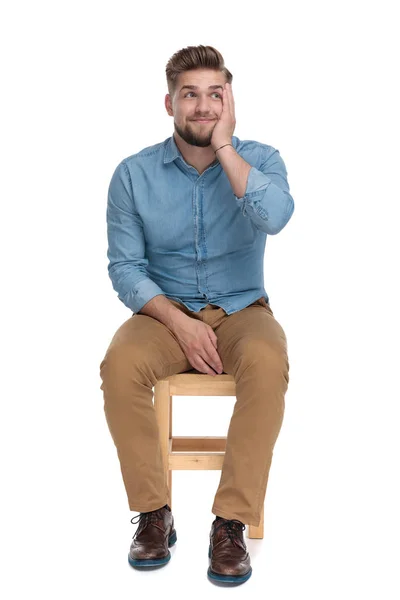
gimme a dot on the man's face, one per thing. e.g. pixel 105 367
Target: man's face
pixel 190 104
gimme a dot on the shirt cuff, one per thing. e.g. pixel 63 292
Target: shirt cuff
pixel 257 184
pixel 144 291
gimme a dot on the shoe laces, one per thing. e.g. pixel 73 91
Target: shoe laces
pixel 146 518
pixel 234 528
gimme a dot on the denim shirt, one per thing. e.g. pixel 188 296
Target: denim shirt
pixel 187 236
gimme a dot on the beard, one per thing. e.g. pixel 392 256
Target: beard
pixel 195 138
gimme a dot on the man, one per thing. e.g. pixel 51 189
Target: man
pixel 187 223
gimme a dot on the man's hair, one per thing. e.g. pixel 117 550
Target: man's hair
pixel 194 57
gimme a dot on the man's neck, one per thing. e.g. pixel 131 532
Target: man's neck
pixel 196 156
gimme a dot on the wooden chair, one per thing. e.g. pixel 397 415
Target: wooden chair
pixel 195 452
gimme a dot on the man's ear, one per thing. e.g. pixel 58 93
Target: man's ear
pixel 168 105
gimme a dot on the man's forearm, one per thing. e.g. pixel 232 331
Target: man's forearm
pixel 163 310
pixel 236 169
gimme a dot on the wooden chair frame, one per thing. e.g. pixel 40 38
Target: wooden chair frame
pixel 195 452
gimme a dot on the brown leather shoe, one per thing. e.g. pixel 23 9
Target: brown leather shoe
pixel 152 538
pixel 230 561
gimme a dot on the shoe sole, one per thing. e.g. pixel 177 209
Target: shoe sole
pixel 154 562
pixel 227 578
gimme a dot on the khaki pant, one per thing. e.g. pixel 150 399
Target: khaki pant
pixel 253 348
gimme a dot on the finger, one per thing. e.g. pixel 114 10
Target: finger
pixel 202 366
pixel 226 99
pixel 227 94
pixel 212 336
pixel 225 102
pixel 231 100
pixel 213 359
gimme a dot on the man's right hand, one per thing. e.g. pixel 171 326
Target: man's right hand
pixel 199 342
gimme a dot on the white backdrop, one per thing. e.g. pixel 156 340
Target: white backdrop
pixel 84 87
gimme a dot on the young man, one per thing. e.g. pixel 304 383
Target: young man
pixel 187 223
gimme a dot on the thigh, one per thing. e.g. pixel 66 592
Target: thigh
pixel 252 336
pixel 143 341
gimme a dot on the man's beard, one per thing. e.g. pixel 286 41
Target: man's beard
pixel 193 138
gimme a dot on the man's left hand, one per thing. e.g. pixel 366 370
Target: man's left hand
pixel 223 131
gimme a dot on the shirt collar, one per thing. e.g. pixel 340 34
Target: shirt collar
pixel 172 151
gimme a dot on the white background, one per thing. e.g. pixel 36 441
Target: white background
pixel 83 87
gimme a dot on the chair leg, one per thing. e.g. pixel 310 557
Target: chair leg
pixel 257 531
pixel 169 471
pixel 170 488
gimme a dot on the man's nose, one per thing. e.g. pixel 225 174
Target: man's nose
pixel 203 106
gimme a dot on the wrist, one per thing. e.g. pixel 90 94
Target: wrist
pixel 176 319
pixel 216 147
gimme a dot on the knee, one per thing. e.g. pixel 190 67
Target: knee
pixel 119 362
pixel 264 355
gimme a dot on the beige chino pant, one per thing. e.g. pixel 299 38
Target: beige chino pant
pixel 253 348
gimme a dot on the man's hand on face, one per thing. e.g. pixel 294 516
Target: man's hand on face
pixel 223 131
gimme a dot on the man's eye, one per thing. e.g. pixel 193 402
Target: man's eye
pixel 195 94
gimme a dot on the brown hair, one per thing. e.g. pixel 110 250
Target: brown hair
pixel 194 57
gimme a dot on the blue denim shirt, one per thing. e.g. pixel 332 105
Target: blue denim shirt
pixel 187 236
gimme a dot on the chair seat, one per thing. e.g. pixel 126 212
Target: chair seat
pixel 195 383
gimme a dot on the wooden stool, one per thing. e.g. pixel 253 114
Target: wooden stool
pixel 193 453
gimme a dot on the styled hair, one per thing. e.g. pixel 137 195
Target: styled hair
pixel 194 57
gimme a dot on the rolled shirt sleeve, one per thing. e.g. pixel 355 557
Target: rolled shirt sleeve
pixel 267 200
pixel 126 244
